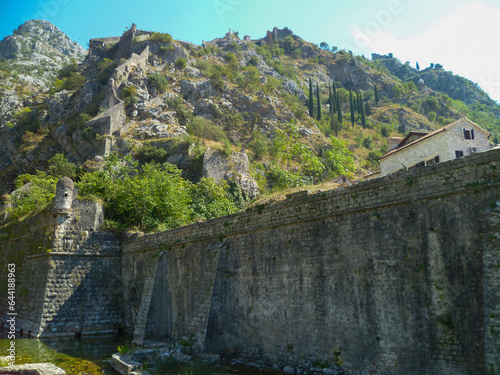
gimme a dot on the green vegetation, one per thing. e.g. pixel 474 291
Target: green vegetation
pixel 158 81
pixel 206 129
pixel 181 63
pixel 34 193
pixel 153 196
pixel 160 37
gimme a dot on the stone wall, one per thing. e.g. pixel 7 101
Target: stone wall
pixel 68 278
pixel 385 276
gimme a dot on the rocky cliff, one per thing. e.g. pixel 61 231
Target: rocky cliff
pixel 30 60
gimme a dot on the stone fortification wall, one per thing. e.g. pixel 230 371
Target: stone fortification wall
pixel 18 242
pixel 68 279
pixel 384 276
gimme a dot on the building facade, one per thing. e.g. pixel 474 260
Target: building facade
pixel 458 139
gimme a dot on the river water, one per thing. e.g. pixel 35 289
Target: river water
pixel 89 356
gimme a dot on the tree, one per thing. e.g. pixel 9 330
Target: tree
pixel 311 103
pixel 368 109
pixel 330 99
pixel 418 66
pixel 335 125
pixel 334 49
pixel 352 108
pixel 339 111
pixel 324 46
pixel 438 66
pixel 376 97
pixel 363 117
pixel 318 117
pixel 358 102
pixel 59 166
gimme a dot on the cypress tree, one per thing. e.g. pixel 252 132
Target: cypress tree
pixel 311 102
pixel 363 117
pixel 330 100
pixel 334 98
pixel 418 66
pixel 339 111
pixel 335 125
pixel 318 117
pixel 358 100
pixel 352 108
pixel 376 96
pixel 367 109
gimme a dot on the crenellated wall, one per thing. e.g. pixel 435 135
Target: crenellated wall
pixel 390 276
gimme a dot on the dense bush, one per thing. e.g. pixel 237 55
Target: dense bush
pixel 34 196
pixel 204 128
pixel 160 37
pixel 59 166
pixel 158 81
pixel 181 63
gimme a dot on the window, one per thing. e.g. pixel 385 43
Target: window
pixel 432 161
pixel 469 134
pixel 421 164
pixel 459 154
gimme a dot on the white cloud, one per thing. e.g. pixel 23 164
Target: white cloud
pixel 464 42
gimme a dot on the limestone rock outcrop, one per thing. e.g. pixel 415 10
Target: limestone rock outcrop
pixel 233 168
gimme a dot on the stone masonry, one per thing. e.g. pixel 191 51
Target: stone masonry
pixel 398 275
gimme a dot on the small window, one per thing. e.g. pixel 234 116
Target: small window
pixel 421 164
pixel 459 154
pixel 436 159
pixel 467 134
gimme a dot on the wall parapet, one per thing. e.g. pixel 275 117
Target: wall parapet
pixel 474 173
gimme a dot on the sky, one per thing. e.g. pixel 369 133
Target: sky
pixel 459 34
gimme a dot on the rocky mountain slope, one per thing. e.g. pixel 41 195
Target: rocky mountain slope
pixel 30 60
pixel 157 99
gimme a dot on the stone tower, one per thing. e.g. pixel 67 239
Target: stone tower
pixel 64 196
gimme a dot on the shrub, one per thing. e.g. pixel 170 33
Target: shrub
pixel 68 70
pixel 432 116
pixel 158 81
pixel 280 179
pixel 129 94
pixel 59 166
pixel 259 145
pixel 35 197
pixel 338 159
pixel 368 142
pixel 210 199
pixel 149 153
pixel 181 63
pixel 160 37
pixel 144 197
pixel 204 128
pixel 74 82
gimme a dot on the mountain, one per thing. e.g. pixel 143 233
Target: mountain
pixel 156 99
pixel 30 60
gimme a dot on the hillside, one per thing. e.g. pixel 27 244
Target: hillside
pixel 30 60
pixel 149 98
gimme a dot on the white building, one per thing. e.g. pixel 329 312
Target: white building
pixel 458 139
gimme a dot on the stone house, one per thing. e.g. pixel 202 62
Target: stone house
pixel 458 139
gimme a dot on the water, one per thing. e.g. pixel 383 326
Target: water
pixel 89 356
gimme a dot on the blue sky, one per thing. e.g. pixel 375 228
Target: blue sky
pixel 459 34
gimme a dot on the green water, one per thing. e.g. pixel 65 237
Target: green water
pixel 83 356
pixel 90 356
